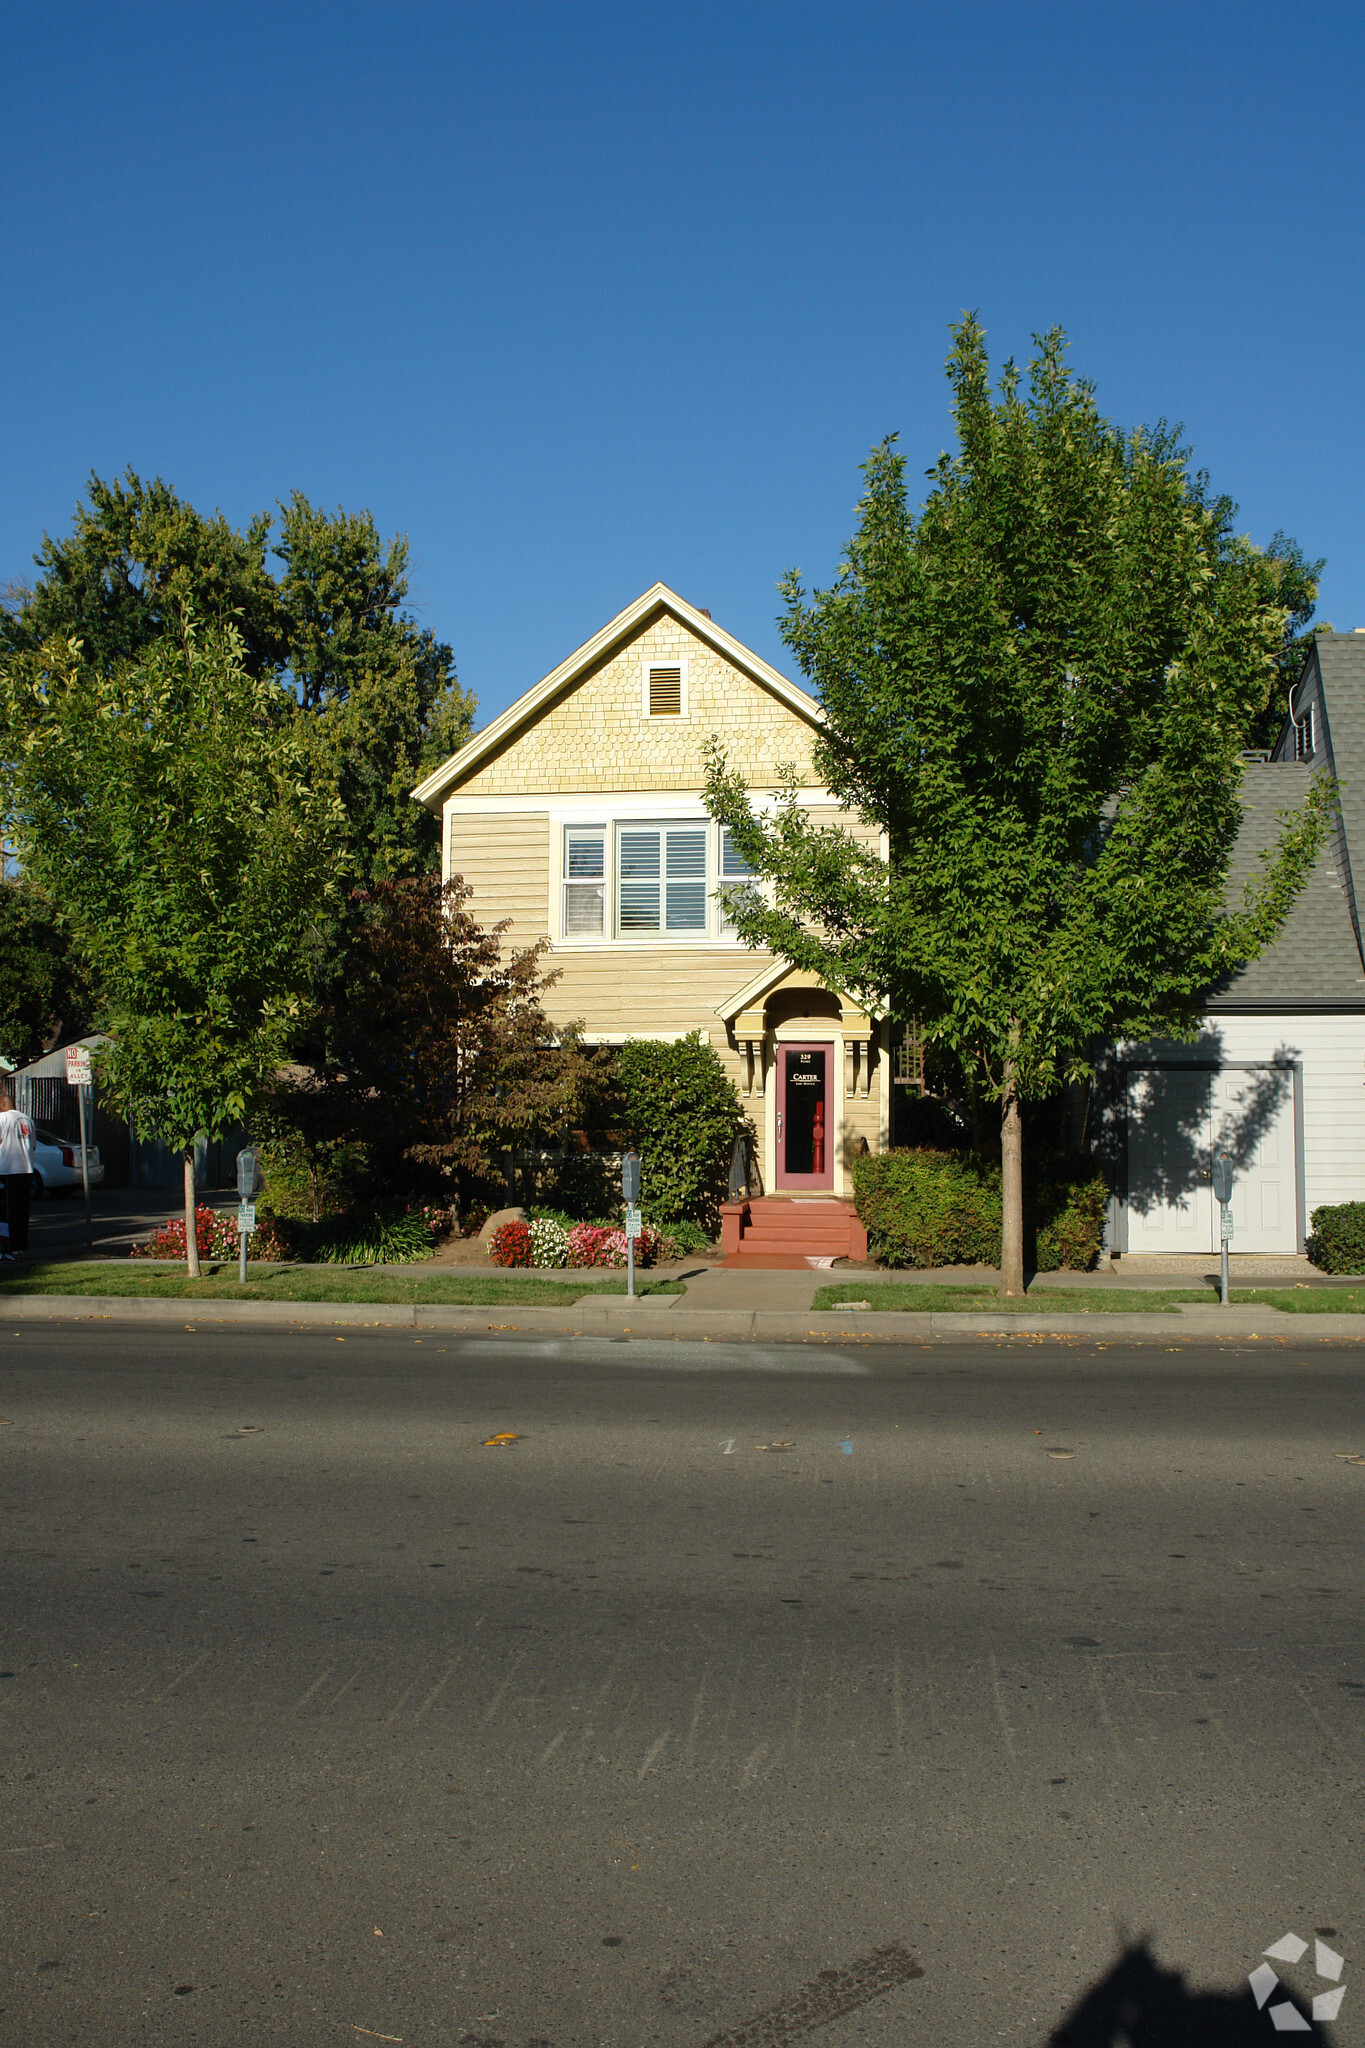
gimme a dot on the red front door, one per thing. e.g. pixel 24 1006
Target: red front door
pixel 805 1116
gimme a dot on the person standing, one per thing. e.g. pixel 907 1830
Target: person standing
pixel 16 1171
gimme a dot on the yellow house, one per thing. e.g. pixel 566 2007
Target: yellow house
pixel 578 815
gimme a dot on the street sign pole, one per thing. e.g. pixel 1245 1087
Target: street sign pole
pixel 80 1077
pixel 1223 1220
pixel 1222 1189
pixel 630 1190
pixel 83 1096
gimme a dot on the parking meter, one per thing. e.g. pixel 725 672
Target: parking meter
pixel 1222 1193
pixel 248 1166
pixel 630 1193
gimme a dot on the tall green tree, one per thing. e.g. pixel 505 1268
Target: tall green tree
pixel 1039 690
pixel 45 992
pixel 377 694
pixel 163 807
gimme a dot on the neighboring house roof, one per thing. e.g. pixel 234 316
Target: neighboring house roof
pixel 658 598
pixel 1315 962
pixel 52 1065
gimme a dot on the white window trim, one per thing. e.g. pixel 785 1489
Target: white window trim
pixel 679 661
pixel 586 827
pixel 664 937
pixel 609 820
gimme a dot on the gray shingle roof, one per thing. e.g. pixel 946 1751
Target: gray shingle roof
pixel 1315 964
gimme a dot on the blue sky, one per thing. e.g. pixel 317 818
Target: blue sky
pixel 580 296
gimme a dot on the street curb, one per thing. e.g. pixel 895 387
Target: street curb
pixel 657 1316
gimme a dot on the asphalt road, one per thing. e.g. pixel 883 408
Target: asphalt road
pixel 885 1695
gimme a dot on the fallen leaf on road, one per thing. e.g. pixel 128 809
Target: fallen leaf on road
pixel 501 1440
pixel 779 1443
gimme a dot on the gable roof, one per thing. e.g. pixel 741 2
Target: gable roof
pixel 1314 963
pixel 623 627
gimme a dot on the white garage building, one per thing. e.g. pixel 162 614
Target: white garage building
pixel 1277 1073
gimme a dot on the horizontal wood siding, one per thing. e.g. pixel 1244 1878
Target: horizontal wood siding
pixel 648 989
pixel 1332 1051
pixel 505 858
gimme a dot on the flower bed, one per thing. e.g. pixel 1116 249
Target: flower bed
pixel 544 1242
pixel 215 1233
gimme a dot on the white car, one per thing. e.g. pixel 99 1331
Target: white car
pixel 57 1164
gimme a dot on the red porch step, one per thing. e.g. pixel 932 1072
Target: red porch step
pixel 773 1231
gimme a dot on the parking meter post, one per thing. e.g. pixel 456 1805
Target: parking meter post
pixel 1222 1232
pixel 247 1163
pixel 630 1194
pixel 83 1100
pixel 1222 1194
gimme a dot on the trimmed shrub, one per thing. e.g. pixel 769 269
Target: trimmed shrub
pixel 681 1111
pixel 928 1207
pixel 549 1242
pixel 924 1207
pixel 1069 1213
pixel 510 1245
pixel 1338 1240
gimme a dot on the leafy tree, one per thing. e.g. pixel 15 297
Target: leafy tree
pixel 45 994
pixel 162 807
pixel 435 1053
pixel 379 703
pixel 1039 690
pixel 135 558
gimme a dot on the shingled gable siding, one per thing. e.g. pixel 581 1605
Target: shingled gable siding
pixel 597 737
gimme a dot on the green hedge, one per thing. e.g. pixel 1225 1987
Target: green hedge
pixel 1338 1243
pixel 679 1108
pixel 926 1207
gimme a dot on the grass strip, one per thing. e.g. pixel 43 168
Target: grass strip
pixel 946 1298
pixel 314 1283
pixel 1305 1300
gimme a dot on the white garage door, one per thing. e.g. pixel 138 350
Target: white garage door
pixel 1176 1117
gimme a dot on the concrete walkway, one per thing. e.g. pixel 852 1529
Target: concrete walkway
pixel 665 1316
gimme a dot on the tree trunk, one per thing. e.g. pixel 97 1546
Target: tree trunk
pixel 191 1233
pixel 1011 1192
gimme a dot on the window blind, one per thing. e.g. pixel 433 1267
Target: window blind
pixel 661 884
pixel 585 880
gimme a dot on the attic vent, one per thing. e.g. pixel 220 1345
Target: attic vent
pixel 1304 737
pixel 665 693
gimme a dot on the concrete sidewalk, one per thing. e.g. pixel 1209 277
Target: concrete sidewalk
pixel 664 1316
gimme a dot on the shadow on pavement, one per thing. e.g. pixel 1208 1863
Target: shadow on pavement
pixel 1137 2001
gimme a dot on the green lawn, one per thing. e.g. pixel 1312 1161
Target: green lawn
pixel 977 1299
pixel 1306 1300
pixel 315 1283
